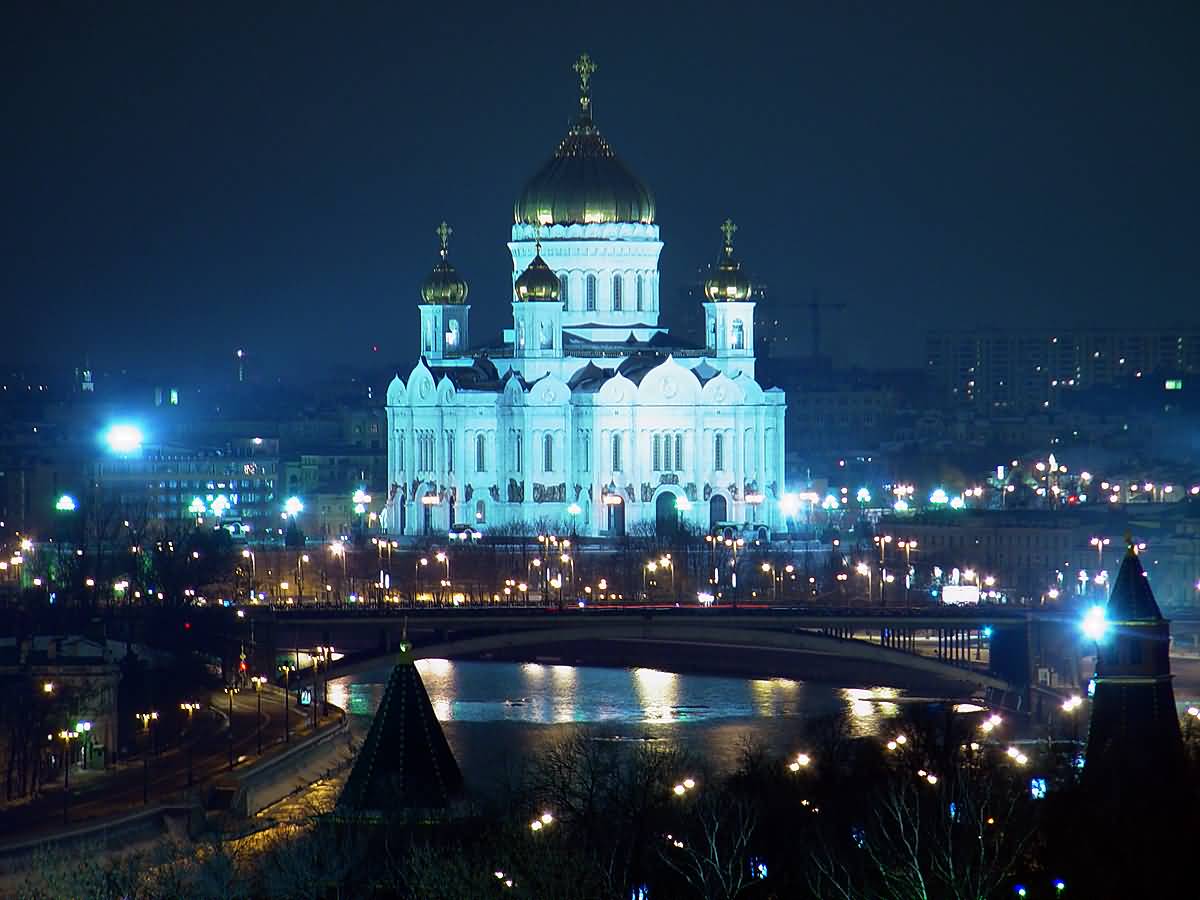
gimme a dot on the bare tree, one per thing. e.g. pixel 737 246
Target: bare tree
pixel 712 852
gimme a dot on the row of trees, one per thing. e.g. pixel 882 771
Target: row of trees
pixel 597 820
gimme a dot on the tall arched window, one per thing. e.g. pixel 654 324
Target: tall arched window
pixel 719 453
pixel 587 453
pixel 452 334
pixel 641 286
pixel 563 288
pixel 618 287
pixel 616 453
pixel 667 453
pixel 449 451
pixel 519 444
pixel 712 335
pixel 400 451
pixel 545 337
pixel 480 453
pixel 480 511
pixel 548 453
pixel 656 455
pixel 591 293
pixel 739 335
pixel 520 335
pixel 679 453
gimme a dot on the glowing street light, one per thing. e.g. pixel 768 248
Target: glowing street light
pixel 939 497
pixel 1095 624
pixel 292 507
pixel 66 503
pixel 123 438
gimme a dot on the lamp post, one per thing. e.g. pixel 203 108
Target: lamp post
pixel 864 569
pixel 147 719
pixel 574 511
pixel 249 554
pixel 67 737
pixel 230 690
pixel 287 733
pixel 444 557
pixel 1099 544
pixel 908 547
pixel 259 681
pixel 882 541
pixel 769 570
pixel 189 707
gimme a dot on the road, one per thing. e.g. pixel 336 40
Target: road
pixel 150 778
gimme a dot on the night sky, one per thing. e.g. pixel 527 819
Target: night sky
pixel 181 179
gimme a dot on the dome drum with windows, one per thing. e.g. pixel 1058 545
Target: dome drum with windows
pixel 584 183
pixel 444 286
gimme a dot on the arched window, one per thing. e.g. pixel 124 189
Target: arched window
pixel 480 511
pixel 400 452
pixel 452 333
pixel 616 453
pixel 719 453
pixel 656 455
pixel 667 453
pixel 449 451
pixel 641 286
pixel 480 453
pixel 548 453
pixel 591 293
pixel 618 286
pixel 428 337
pixel 520 451
pixel 563 288
pixel 679 453
pixel 520 335
pixel 545 337
pixel 587 453
pixel 739 335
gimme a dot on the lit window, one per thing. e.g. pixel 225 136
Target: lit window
pixel 739 335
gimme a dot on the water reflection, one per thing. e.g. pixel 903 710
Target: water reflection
pixel 868 708
pixel 658 693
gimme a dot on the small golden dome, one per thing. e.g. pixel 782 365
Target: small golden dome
pixel 538 281
pixel 728 283
pixel 443 285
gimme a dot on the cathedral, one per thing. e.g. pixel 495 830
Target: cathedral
pixel 587 416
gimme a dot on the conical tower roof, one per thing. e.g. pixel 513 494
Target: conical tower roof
pixel 405 764
pixel 1131 598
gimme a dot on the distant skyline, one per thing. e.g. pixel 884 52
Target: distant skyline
pixel 180 181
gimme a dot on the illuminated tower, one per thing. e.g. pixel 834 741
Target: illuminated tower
pixel 594 220
pixel 444 308
pixel 729 312
pixel 1134 742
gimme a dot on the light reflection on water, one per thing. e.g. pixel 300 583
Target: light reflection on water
pixel 535 693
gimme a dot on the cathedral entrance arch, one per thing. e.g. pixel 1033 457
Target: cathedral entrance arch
pixel 718 510
pixel 666 514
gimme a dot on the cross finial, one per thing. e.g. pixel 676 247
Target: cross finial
pixel 584 68
pixel 443 232
pixel 727 229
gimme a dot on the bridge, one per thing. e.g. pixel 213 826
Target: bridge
pixel 986 649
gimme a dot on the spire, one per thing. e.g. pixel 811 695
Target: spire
pixel 443 232
pixel 585 68
pixel 405 763
pixel 1131 598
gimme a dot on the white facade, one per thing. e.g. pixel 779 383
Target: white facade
pixel 587 418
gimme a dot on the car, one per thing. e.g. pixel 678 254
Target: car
pixel 465 533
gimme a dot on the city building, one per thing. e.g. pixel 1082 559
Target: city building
pixel 1027 368
pixel 588 415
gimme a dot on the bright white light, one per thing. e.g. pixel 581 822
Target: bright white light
pixel 66 503
pixel 682 504
pixel 939 496
pixel 790 504
pixel 1095 624
pixel 830 502
pixel 956 502
pixel 863 495
pixel 123 438
pixel 360 497
pixel 293 507
pixel 900 506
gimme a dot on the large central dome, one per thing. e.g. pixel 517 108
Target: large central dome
pixel 584 183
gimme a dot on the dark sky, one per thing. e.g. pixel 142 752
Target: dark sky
pixel 180 179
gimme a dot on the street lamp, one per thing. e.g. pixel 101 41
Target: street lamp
pixel 574 511
pixel 908 547
pixel 259 681
pixel 230 690
pixel 287 733
pixel 189 707
pixel 1099 544
pixel 67 737
pixel 147 719
pixel 864 569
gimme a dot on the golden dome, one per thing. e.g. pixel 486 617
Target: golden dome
pixel 443 285
pixel 728 283
pixel 584 182
pixel 538 281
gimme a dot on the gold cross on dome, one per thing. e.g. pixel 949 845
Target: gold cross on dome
pixel 443 232
pixel 727 229
pixel 584 68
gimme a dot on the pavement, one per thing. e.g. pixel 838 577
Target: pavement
pixel 147 778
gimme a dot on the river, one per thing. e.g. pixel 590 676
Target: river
pixel 497 714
